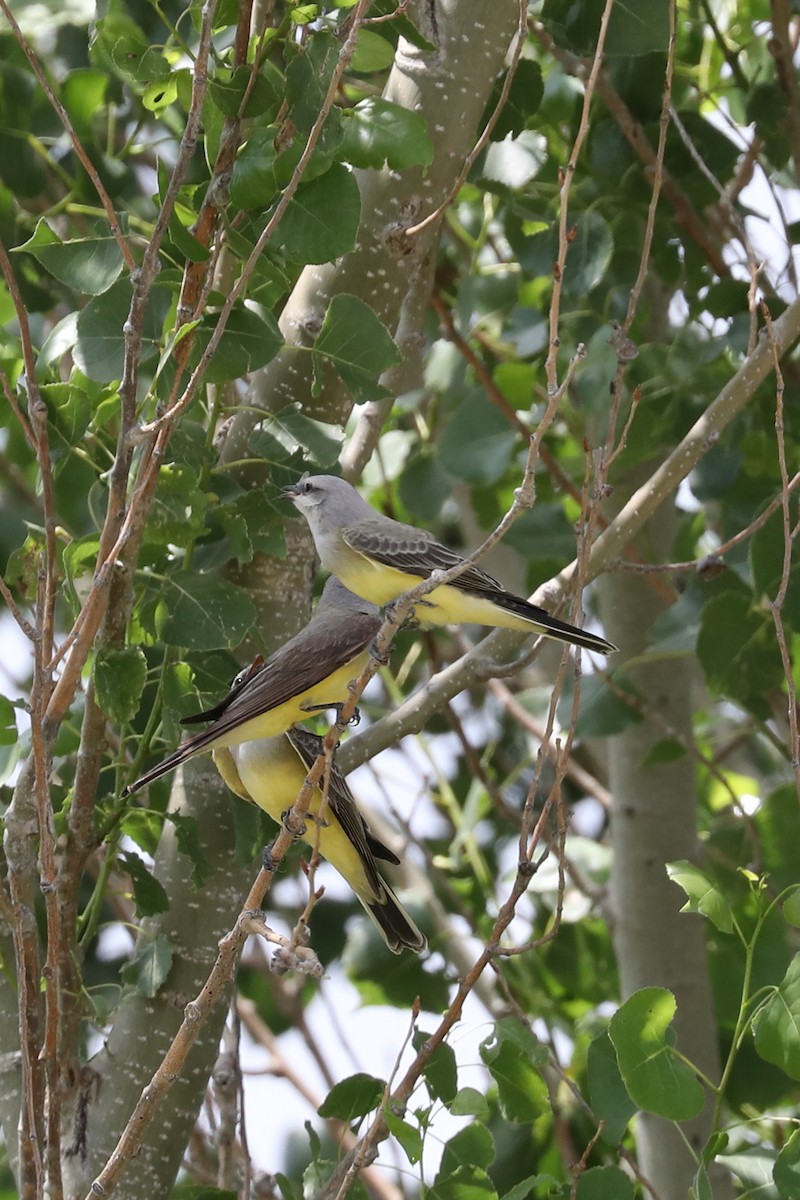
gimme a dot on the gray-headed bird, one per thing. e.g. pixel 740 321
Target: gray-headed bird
pixel 270 772
pixel 309 673
pixel 380 559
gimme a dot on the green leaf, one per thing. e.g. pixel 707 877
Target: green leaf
pixel 522 103
pixel 589 254
pixel 477 442
pixel 777 1023
pixel 251 340
pixel 137 61
pixel 264 93
pixel 791 908
pixel 8 722
pixel 377 131
pixel 292 429
pixel 609 1099
pixel 288 1190
pixel 407 1135
pixel 423 487
pixel 604 1183
pixel 205 613
pixel 701 1185
pixel 778 829
pixel 704 896
pixel 254 183
pixel 357 344
pixel 636 27
pixel 69 410
pixel 87 265
pixel 469 1102
pixel 514 1056
pixel 83 93
pixel 119 679
pixel 474 1145
pixel 523 1189
pixel 668 750
pixel 440 1072
pixel 308 77
pixel 100 347
pixel 656 1079
pixel 373 53
pixel 321 222
pixel 736 647
pixel 543 533
pixel 465 1183
pixel 786 1171
pixel 148 892
pixel 354 1097
pixel 143 826
pixel 150 966
pixel 264 525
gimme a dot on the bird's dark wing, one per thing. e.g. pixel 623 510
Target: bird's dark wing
pixel 397 927
pixel 319 650
pixel 343 805
pixel 412 550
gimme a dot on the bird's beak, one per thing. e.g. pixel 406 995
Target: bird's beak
pixel 292 490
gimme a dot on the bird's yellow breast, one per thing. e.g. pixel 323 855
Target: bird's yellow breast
pixel 331 690
pixel 445 605
pixel 272 775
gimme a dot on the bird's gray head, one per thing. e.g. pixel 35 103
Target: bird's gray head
pixel 327 501
pixel 336 595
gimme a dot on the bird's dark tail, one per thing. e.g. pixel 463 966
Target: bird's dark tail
pixel 552 626
pixel 193 745
pixel 393 923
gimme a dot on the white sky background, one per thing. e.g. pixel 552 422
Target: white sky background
pixel 274 1111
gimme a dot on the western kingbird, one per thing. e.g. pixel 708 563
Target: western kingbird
pixel 270 772
pixel 310 672
pixel 380 559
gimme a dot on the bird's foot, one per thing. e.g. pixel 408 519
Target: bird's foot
pixel 294 828
pixel 411 621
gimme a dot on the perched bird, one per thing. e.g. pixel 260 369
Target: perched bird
pixel 270 772
pixel 310 672
pixel 380 559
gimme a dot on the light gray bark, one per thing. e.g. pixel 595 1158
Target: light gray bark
pixel 654 821
pixel 143 1028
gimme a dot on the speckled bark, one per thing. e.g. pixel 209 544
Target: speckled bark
pixel 450 86
pixel 143 1028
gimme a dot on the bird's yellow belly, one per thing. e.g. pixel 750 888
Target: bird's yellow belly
pixel 446 605
pixel 272 775
pixel 328 692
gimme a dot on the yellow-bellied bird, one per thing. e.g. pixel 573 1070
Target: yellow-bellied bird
pixel 380 559
pixel 270 773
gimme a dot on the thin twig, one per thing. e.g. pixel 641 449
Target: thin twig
pixel 789 536
pixel 567 174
